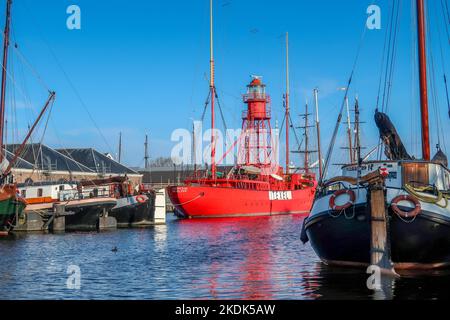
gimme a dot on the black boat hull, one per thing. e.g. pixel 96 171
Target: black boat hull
pixel 86 216
pixel 345 240
pixel 135 214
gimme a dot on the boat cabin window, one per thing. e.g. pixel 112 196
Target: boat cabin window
pixel 40 192
pixel 415 173
pixel 61 188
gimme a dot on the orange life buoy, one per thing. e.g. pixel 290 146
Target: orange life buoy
pixel 406 214
pixel 141 199
pixel 339 193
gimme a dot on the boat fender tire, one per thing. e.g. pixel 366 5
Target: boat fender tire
pixel 339 193
pixel 141 199
pixel 406 214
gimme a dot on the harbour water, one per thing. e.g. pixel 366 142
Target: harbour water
pixel 254 258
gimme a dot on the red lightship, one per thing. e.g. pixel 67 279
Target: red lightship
pixel 257 185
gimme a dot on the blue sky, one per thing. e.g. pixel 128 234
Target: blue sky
pixel 140 66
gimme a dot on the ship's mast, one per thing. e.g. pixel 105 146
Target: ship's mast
pixel 349 132
pixel 421 32
pixel 319 148
pixel 306 152
pixel 120 148
pixel 212 89
pixel 357 134
pixel 146 156
pixel 5 64
pixel 306 139
pixel 287 106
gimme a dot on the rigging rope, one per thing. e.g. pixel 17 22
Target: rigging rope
pixel 69 81
pixel 339 120
pixel 416 192
pixel 393 56
pixel 389 57
pixel 446 16
pixel 206 106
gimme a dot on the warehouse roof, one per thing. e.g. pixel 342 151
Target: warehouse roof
pixel 48 159
pixel 96 161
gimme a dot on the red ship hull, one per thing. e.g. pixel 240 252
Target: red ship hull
pixel 215 202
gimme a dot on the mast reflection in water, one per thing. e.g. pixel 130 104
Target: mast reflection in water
pixel 251 258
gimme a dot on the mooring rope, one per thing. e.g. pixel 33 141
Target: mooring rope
pixel 196 198
pixel 414 191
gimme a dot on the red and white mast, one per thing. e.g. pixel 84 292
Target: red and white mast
pixel 4 74
pixel 421 32
pixel 212 89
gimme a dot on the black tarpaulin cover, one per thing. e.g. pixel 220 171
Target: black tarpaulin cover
pixel 394 148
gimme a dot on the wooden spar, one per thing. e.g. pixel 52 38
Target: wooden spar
pixel 380 251
pixel 319 148
pixel 120 148
pixel 421 33
pixel 287 106
pixel 30 132
pixel 306 140
pixel 349 132
pixel 212 92
pixel 4 74
pixel 357 156
pixel 146 157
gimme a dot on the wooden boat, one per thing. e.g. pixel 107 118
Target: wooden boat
pixel 394 214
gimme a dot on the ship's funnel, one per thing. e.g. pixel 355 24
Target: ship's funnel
pixel 394 148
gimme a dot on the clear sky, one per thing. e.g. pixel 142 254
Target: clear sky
pixel 141 66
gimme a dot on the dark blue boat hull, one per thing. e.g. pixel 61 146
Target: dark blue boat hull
pixel 345 240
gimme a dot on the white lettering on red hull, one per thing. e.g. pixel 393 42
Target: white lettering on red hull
pixel 280 195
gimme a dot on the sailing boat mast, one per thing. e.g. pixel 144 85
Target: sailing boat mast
pixel 146 156
pixel 319 147
pixel 306 139
pixel 120 148
pixel 212 89
pixel 421 32
pixel 349 132
pixel 287 106
pixel 5 64
pixel 357 156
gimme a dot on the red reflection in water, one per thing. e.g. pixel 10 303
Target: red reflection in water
pixel 252 253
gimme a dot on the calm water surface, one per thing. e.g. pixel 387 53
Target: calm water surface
pixel 256 258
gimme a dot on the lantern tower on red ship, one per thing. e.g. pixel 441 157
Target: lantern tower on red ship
pixel 256 143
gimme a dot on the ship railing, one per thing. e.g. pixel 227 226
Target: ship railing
pixel 256 96
pixel 75 194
